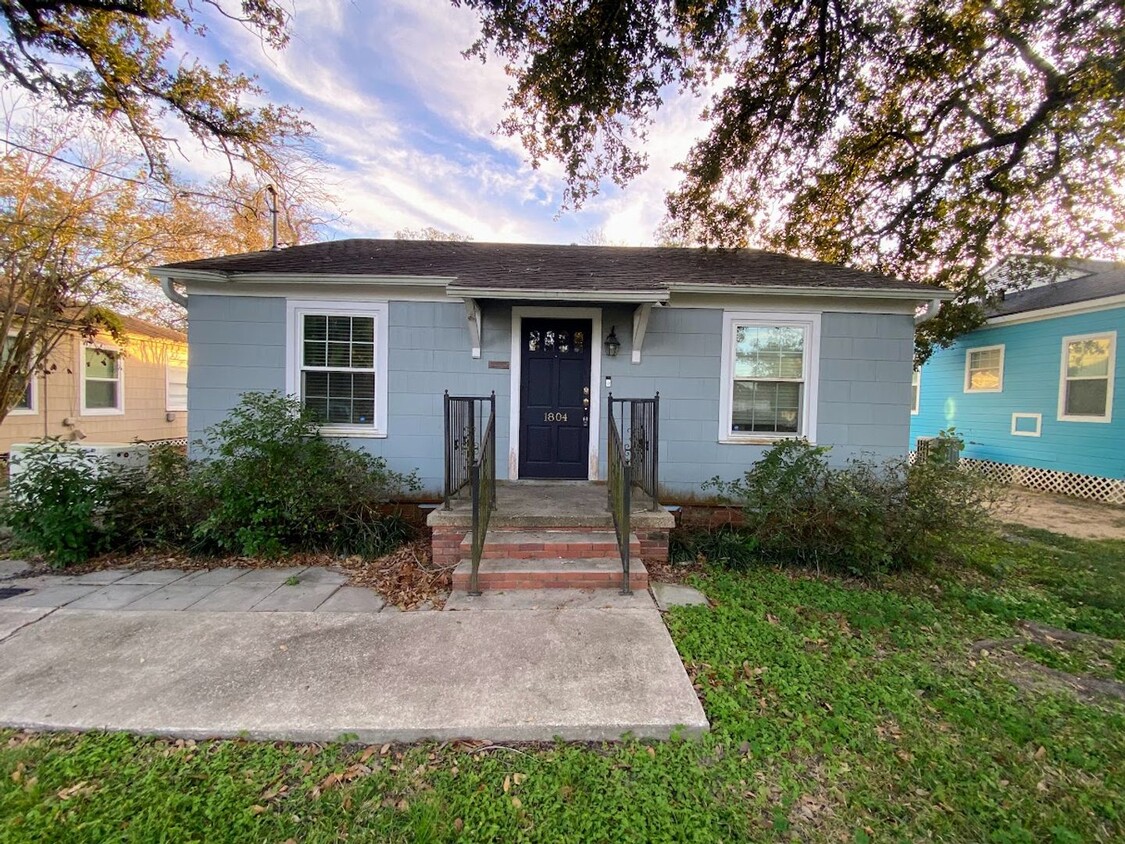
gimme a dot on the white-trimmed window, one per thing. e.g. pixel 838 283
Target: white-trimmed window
pixel 1086 377
pixel 915 390
pixel 28 404
pixel 338 364
pixel 984 369
pixel 175 386
pixel 103 381
pixel 769 372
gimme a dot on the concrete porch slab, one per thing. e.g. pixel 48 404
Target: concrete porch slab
pixel 505 675
pixel 552 504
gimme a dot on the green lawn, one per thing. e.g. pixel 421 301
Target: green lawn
pixel 840 711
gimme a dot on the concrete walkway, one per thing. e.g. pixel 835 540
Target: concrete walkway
pixel 295 589
pixel 222 653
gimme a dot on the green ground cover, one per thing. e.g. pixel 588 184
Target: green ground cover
pixel 841 711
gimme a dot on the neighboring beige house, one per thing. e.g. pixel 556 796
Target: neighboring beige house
pixel 107 391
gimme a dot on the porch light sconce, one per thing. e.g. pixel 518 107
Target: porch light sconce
pixel 612 344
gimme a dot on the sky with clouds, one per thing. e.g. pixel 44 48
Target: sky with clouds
pixel 406 126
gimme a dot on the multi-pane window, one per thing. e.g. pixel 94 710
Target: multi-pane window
pixel 1086 385
pixel 338 368
pixel 984 370
pixel 26 402
pixel 101 380
pixel 768 379
pixel 915 390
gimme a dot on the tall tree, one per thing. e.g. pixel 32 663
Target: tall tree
pixel 921 138
pixel 118 60
pixel 80 226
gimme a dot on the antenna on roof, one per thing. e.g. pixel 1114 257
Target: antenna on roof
pixel 272 191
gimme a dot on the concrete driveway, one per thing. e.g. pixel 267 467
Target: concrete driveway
pixel 594 669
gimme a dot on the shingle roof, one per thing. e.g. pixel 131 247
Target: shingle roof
pixel 151 329
pixel 519 266
pixel 1102 279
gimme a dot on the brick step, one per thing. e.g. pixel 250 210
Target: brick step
pixel 590 573
pixel 550 544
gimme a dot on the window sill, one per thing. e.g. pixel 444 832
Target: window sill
pixel 972 392
pixel 360 433
pixel 763 439
pixel 102 412
pixel 1103 420
pixel 23 411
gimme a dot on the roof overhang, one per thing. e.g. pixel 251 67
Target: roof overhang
pixel 298 278
pixel 1072 309
pixel 555 295
pixel 452 288
pixel 912 294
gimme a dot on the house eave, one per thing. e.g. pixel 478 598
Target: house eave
pixel 916 295
pixel 1073 309
pixel 212 276
pixel 556 295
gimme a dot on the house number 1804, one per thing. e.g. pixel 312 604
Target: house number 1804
pixel 553 416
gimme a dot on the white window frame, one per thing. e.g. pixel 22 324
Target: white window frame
pixel 1066 341
pixel 999 388
pixel 810 323
pixel 168 406
pixel 119 410
pixel 296 309
pixel 915 390
pixel 33 397
pixel 1038 417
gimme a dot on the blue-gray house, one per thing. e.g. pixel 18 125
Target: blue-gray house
pixel 1036 393
pixel 744 347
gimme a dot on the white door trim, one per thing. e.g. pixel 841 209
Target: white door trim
pixel 595 317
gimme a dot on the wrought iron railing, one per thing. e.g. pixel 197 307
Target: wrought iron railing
pixel 620 495
pixel 470 461
pixel 465 420
pixel 482 479
pixel 638 423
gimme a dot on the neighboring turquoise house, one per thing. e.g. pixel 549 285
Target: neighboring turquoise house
pixel 1037 393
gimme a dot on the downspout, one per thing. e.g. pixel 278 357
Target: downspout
pixel 174 295
pixel 928 314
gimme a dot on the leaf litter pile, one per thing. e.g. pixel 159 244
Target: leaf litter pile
pixel 407 578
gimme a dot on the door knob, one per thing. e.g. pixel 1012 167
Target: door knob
pixel 586 403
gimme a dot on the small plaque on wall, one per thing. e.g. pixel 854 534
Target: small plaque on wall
pixel 499 364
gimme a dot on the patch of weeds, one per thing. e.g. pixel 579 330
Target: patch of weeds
pixel 292 580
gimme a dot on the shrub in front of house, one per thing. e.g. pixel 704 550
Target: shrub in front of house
pixel 268 482
pixel 56 503
pixel 865 517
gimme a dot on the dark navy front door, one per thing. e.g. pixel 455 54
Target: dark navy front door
pixel 555 398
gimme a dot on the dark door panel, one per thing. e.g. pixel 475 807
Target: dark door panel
pixel 555 398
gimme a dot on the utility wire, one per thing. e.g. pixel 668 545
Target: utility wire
pixel 121 178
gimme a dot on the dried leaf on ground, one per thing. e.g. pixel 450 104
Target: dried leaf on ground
pixel 406 578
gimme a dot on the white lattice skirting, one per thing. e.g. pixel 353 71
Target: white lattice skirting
pixel 1108 490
